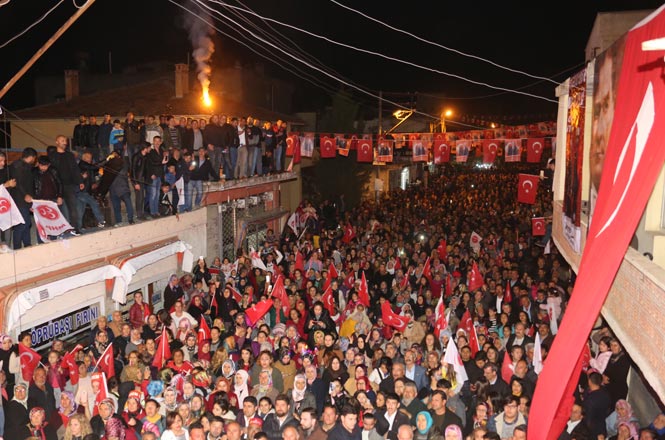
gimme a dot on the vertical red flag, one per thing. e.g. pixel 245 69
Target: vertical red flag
pixel 538 226
pixel 440 325
pixel 349 280
pixel 363 292
pixel 292 144
pixel 300 262
pixel 68 362
pixel 328 147
pixel 441 151
pixel 508 295
pixel 258 310
pixel 278 291
pixel 527 188
pixel 106 362
pixel 163 353
pixel 328 301
pixel 29 360
pixel 473 341
pixel 490 148
pixel 332 275
pixel 427 270
pixel 466 322
pixel 349 234
pixel 204 331
pixel 365 150
pixel 392 319
pixel 103 393
pixel 507 366
pixel 449 285
pixel 534 149
pixel 475 278
pixel 634 158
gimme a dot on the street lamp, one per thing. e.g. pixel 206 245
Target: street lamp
pixel 401 115
pixel 445 114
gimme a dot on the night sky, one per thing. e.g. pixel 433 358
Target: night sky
pixel 541 37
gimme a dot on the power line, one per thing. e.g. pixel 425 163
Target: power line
pixel 379 54
pixel 434 43
pixel 39 20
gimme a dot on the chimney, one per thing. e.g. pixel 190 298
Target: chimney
pixel 181 80
pixel 71 84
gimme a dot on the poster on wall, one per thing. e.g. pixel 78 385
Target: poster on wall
pixel 607 70
pixel 572 197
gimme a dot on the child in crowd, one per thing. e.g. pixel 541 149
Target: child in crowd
pixel 117 138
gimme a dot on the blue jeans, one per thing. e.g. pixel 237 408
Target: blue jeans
pixel 127 200
pixel 21 233
pixel 234 160
pixel 194 186
pixel 84 198
pixel 254 160
pixel 153 195
pixel 278 158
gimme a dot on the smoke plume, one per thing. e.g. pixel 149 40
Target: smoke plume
pixel 203 47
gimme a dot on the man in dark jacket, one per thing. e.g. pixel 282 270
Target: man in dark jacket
pixel 275 422
pixel 132 137
pixel 157 158
pixel 65 163
pixel 40 394
pixel 92 136
pixel 201 171
pixel 84 198
pixel 213 141
pixel 104 135
pixel 21 172
pixel 347 427
pixel 139 179
pixel 388 422
pixel 80 135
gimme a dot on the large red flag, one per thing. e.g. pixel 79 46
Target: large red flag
pixel 258 310
pixel 392 319
pixel 363 292
pixel 68 362
pixel 490 148
pixel 527 188
pixel 365 150
pixel 534 149
pixel 466 322
pixel 441 151
pixel 538 226
pixel 440 325
pixel 106 362
pixel 29 360
pixel 328 301
pixel 278 291
pixel 328 147
pixel 475 278
pixel 332 275
pixel 292 144
pixel 163 353
pixel 634 158
pixel 204 331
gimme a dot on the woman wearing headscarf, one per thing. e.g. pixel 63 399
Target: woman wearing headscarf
pixel 240 386
pixel 228 369
pixel 264 388
pixel 286 366
pixel 133 413
pixel 453 432
pixel 627 431
pixel 623 413
pixel 16 412
pixel 68 407
pixel 6 350
pixel 424 427
pixel 38 427
pixel 301 398
pixel 616 372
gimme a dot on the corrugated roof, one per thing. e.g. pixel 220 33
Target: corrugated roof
pixel 151 97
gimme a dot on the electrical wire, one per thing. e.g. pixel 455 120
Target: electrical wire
pixel 39 20
pixel 434 43
pixel 379 54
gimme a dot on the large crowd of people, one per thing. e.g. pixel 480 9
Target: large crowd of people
pixel 285 343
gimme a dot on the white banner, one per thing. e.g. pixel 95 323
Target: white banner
pixel 9 213
pixel 180 188
pixel 49 220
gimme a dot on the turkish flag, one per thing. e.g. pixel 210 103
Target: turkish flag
pixel 103 393
pixel 236 295
pixel 328 301
pixel 163 353
pixel 466 322
pixel 349 234
pixel 68 362
pixel 29 359
pixel 473 341
pixel 475 278
pixel 332 275
pixel 538 226
pixel 490 149
pixel 508 295
pixel 349 280
pixel 392 319
pixel 365 151
pixel 278 291
pixel 405 279
pixel 633 159
pixel 204 331
pixel 507 368
pixel 363 292
pixel 258 310
pixel 106 362
pixel 300 262
pixel 441 151
pixel 352 143
pixel 328 147
pixel 427 270
pixel 442 250
pixel 527 188
pixel 534 149
pixel 292 144
pixel 440 325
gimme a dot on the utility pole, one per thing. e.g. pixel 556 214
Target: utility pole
pixel 45 47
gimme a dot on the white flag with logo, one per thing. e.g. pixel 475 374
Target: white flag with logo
pixel 49 220
pixel 474 241
pixel 292 222
pixel 453 358
pixel 9 213
pixel 180 188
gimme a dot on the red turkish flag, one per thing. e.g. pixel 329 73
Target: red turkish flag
pixel 204 331
pixel 365 151
pixel 278 291
pixel 163 353
pixel 328 147
pixel 392 319
pixel 441 151
pixel 442 250
pixel 68 362
pixel 440 325
pixel 328 301
pixel 473 341
pixel 103 393
pixel 363 292
pixel 352 143
pixel 234 293
pixel 534 149
pixel 349 280
pixel 349 234
pixel 258 310
pixel 332 275
pixel 490 149
pixel 634 157
pixel 507 369
pixel 29 360
pixel 300 262
pixel 466 322
pixel 475 278
pixel 538 226
pixel 292 144
pixel 527 188
pixel 427 270
pixel 508 295
pixel 106 362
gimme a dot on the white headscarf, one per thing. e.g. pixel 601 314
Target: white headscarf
pixel 242 390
